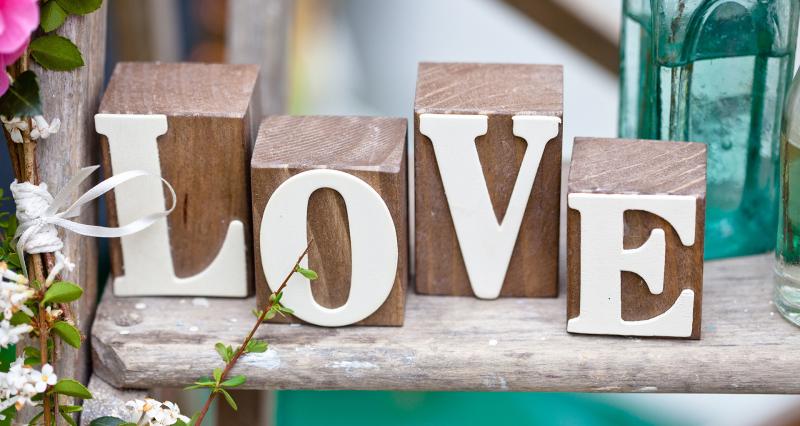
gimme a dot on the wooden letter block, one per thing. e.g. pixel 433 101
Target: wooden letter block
pixel 487 147
pixel 340 181
pixel 191 124
pixel 635 237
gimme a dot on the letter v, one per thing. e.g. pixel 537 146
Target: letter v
pixel 486 244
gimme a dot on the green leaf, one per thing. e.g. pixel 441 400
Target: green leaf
pixel 52 16
pixel 20 317
pixel 80 7
pixel 68 333
pixel 62 292
pixel 71 387
pixel 222 351
pixel 109 421
pixel 234 381
pixel 271 314
pixel 56 53
pixel 32 356
pixel 217 374
pixel 284 310
pixel 70 408
pixel 22 98
pixel 68 419
pixel 229 398
pixel 257 346
pixel 308 273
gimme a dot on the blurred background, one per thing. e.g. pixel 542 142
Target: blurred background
pixel 359 57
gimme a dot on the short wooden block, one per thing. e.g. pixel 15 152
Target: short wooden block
pixel 372 149
pixel 501 92
pixel 204 153
pixel 669 180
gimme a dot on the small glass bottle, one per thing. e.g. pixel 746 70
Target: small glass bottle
pixel 787 251
pixel 714 71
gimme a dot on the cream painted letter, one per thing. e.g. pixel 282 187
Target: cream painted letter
pixel 603 257
pixel 486 244
pixel 147 260
pixel 373 245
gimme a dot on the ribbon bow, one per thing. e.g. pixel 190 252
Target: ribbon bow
pixel 39 212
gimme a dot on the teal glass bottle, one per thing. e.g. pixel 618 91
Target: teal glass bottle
pixel 714 71
pixel 787 250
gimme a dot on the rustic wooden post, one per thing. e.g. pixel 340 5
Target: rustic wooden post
pixel 73 97
pixel 257 34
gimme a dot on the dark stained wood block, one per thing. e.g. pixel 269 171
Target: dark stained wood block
pixel 370 148
pixel 204 154
pixel 615 166
pixel 500 91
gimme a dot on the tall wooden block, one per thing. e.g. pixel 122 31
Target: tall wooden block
pixel 493 132
pixel 203 153
pixel 635 237
pixel 371 149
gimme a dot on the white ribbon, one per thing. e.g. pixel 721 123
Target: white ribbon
pixel 53 217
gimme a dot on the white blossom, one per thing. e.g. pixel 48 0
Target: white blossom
pixel 62 262
pixel 15 127
pixel 10 275
pixel 13 297
pixel 53 314
pixel 22 383
pixel 42 379
pixel 9 334
pixel 41 129
pixel 153 413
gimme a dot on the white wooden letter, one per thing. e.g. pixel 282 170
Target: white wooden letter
pixel 373 245
pixel 486 243
pixel 146 255
pixel 603 257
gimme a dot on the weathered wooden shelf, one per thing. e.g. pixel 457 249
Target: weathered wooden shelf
pixel 460 343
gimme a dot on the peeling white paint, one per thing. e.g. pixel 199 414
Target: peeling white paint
pixel 351 366
pixel 269 360
pixel 200 301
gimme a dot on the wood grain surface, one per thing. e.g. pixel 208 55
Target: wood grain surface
pixel 204 154
pixel 462 343
pixel 73 97
pixel 370 148
pixel 614 166
pixel 499 91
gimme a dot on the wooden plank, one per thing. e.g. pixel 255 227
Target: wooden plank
pixel 370 148
pixel 257 33
pixel 73 97
pixel 499 91
pixel 107 401
pixel 210 128
pixel 616 166
pixel 462 343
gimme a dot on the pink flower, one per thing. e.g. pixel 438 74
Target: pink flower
pixel 18 18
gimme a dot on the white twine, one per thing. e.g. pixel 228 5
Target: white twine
pixel 32 202
pixel 39 213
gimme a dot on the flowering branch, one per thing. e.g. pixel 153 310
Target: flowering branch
pixel 220 380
